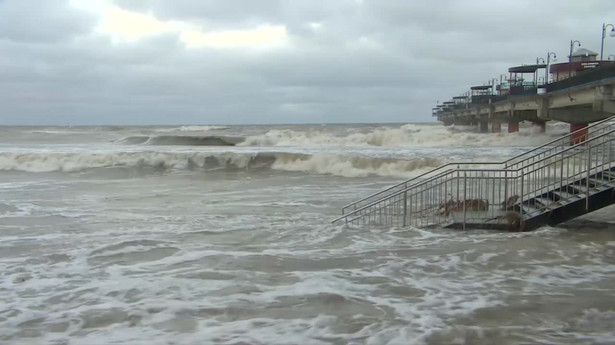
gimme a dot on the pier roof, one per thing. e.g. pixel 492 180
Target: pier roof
pixel 481 87
pixel 526 68
pixel 583 52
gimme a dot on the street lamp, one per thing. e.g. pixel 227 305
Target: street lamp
pixel 548 64
pixel 571 46
pixel 570 57
pixel 612 34
pixel 538 59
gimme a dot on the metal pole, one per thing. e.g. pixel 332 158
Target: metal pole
pixel 506 187
pixel 521 194
pixel 570 56
pixel 602 42
pixel 548 65
pixel 589 164
pixel 547 69
pixel 604 26
pixel 464 199
pixel 405 208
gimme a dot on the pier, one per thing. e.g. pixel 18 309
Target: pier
pixel 581 92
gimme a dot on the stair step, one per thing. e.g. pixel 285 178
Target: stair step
pixel 551 196
pixel 608 174
pixel 565 195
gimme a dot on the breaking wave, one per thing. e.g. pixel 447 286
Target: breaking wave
pixel 410 135
pixel 405 136
pixel 347 166
pixel 181 140
pixel 201 128
pixel 191 129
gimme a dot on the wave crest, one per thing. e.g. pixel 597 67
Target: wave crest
pixel 409 135
pixel 183 140
pixel 347 166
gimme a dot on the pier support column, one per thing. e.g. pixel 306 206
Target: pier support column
pixel 581 135
pixel 496 127
pixel 483 126
pixel 513 126
pixel 542 125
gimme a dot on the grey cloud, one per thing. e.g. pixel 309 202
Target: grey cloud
pixel 211 11
pixel 46 21
pixel 369 61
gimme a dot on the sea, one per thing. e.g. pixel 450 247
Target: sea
pixel 222 235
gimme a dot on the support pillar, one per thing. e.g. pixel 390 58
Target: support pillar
pixel 542 125
pixel 483 126
pixel 581 135
pixel 513 126
pixel 496 127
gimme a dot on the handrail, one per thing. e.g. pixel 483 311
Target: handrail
pixel 505 163
pixel 415 178
pixel 557 154
pixel 561 138
pixel 506 170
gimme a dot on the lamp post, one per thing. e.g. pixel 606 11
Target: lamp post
pixel 549 64
pixel 538 59
pixel 570 57
pixel 571 46
pixel 500 90
pixel 612 34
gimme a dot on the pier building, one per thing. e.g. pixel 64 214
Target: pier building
pixel 579 91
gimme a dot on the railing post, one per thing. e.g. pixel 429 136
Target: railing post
pixel 445 197
pixel 405 208
pixel 458 178
pixel 521 194
pixel 505 186
pixel 561 172
pixel 465 176
pixel 589 167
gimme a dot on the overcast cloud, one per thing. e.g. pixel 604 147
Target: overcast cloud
pixel 269 61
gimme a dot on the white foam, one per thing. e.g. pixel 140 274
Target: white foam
pixel 200 128
pixel 405 136
pixel 56 131
pixel 193 128
pixel 355 166
pixel 326 163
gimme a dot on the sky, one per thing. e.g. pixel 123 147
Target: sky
pixel 140 62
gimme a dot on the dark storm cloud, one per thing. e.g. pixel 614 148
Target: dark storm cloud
pixel 343 61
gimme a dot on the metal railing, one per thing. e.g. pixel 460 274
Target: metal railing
pixel 482 190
